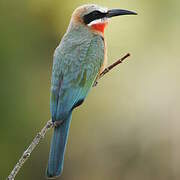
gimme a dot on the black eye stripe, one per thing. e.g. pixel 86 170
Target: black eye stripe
pixel 93 16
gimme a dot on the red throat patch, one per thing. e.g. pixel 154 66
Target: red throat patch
pixel 99 27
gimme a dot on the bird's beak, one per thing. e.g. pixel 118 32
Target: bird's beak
pixel 119 12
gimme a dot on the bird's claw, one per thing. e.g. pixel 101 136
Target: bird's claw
pixel 57 123
pixel 95 84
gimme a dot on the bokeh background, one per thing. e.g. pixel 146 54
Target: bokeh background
pixel 128 127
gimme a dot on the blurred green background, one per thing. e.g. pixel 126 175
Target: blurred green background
pixel 128 127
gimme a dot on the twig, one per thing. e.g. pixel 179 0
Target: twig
pixel 49 125
pixel 119 61
pixel 29 150
pixel 113 65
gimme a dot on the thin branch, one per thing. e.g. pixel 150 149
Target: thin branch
pixel 113 65
pixel 119 61
pixel 29 150
pixel 48 126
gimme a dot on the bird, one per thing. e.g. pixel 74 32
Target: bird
pixel 77 63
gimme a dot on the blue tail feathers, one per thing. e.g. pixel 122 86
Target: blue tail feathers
pixel 58 146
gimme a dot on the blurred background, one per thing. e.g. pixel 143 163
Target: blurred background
pixel 128 127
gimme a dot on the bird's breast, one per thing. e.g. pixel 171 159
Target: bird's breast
pixel 104 65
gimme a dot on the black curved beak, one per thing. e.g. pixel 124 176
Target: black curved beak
pixel 119 12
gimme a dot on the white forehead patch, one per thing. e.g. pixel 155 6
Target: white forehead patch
pixel 94 7
pixel 102 9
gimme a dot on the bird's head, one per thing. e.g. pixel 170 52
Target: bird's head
pixel 95 17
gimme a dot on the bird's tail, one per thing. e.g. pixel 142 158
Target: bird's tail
pixel 58 146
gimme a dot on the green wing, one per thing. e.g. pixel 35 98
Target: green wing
pixel 75 69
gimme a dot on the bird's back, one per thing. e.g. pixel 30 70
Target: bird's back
pixel 77 61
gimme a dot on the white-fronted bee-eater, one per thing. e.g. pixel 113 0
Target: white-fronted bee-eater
pixel 78 61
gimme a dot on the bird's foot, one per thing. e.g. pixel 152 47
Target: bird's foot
pixel 95 84
pixel 57 123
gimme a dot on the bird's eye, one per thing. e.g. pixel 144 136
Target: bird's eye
pixel 96 13
pixel 93 16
